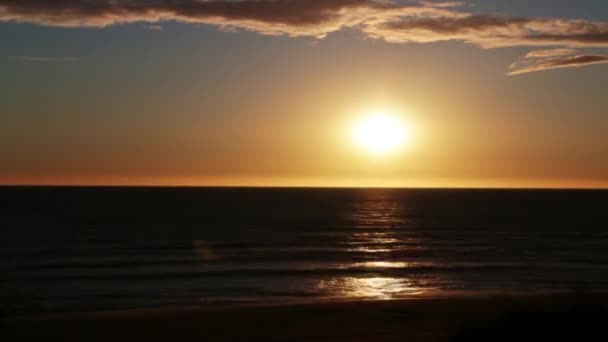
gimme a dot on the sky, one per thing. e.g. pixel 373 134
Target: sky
pixel 265 92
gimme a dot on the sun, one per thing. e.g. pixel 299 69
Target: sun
pixel 380 133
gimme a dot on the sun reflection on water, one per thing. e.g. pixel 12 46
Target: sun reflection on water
pixel 379 242
pixel 370 250
pixel 381 239
pixel 379 288
pixel 382 264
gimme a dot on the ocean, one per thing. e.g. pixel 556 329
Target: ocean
pixel 74 249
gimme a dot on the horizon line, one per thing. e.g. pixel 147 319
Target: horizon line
pixel 25 185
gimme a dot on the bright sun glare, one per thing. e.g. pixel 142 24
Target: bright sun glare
pixel 380 132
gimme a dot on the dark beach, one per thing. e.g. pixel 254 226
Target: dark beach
pixel 562 317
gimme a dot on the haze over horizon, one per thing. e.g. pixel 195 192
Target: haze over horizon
pixel 270 92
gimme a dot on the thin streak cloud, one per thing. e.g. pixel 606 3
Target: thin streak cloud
pixel 551 53
pixel 43 59
pixel 524 67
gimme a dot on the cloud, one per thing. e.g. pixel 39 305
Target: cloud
pixel 274 17
pixel 43 59
pixel 523 67
pixel 442 4
pixel 551 53
pixel 494 31
pixel 290 17
pixel 395 21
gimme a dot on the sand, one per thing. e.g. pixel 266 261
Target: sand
pixel 548 317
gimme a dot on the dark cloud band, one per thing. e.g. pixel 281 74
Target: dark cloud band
pixel 421 21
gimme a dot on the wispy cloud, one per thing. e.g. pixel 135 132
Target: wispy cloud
pixel 395 21
pixel 43 59
pixel 551 53
pixel 527 66
pixel 440 4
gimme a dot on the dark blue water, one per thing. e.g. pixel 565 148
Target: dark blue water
pixel 82 249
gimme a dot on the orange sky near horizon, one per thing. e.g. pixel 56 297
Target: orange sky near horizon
pixel 20 180
pixel 322 152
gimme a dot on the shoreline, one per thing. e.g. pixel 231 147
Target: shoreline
pixel 229 305
pixel 433 319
